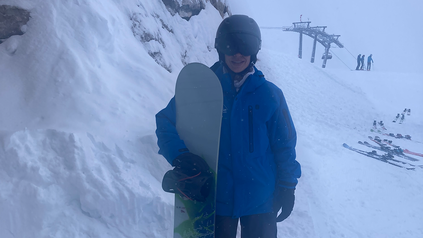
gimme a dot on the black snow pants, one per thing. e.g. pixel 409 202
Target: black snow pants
pixel 252 226
pixel 358 64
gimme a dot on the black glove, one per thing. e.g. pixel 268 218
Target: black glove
pixel 283 199
pixel 190 164
pixel 191 178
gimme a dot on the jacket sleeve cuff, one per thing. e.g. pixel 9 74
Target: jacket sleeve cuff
pixel 171 154
pixel 285 184
pixel 177 153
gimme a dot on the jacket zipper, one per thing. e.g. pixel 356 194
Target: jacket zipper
pixel 250 123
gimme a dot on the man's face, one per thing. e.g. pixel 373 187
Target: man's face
pixel 238 62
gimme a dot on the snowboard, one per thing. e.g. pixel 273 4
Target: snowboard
pixel 199 105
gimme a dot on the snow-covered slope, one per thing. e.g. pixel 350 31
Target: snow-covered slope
pixel 341 193
pixel 78 154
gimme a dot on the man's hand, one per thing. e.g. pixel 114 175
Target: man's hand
pixel 284 199
pixel 190 164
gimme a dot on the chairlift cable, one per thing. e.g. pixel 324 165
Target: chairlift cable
pixel 340 59
pixel 350 53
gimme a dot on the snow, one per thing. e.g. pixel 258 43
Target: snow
pixel 79 91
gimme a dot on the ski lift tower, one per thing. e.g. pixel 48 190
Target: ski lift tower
pixel 318 34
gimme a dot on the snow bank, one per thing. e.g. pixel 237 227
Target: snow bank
pixel 58 184
pixel 78 96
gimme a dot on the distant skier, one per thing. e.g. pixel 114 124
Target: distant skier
pixel 374 124
pixel 369 62
pixel 358 62
pixel 405 110
pixel 362 62
pixel 409 112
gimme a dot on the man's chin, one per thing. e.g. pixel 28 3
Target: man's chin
pixel 237 67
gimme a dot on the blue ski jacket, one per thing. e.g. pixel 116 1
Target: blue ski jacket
pixel 257 145
pixel 369 59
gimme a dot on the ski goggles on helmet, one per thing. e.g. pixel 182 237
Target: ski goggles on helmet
pixel 231 44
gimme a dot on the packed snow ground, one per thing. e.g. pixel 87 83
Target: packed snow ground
pixel 78 153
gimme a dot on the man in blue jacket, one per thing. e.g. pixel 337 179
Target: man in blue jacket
pixel 257 169
pixel 358 62
pixel 369 62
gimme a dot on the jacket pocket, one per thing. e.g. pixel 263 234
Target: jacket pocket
pixel 251 128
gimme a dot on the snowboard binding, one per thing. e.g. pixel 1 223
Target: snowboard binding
pixel 196 188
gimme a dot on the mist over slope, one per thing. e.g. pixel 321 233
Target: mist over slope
pixel 384 29
pixel 78 154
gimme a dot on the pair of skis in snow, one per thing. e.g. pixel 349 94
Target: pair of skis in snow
pixel 388 156
pixel 387 149
pixel 397 149
pixel 402 117
pixel 406 111
pixel 397 136
pixel 375 126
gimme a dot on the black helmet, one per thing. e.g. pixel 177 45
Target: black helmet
pixel 238 34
